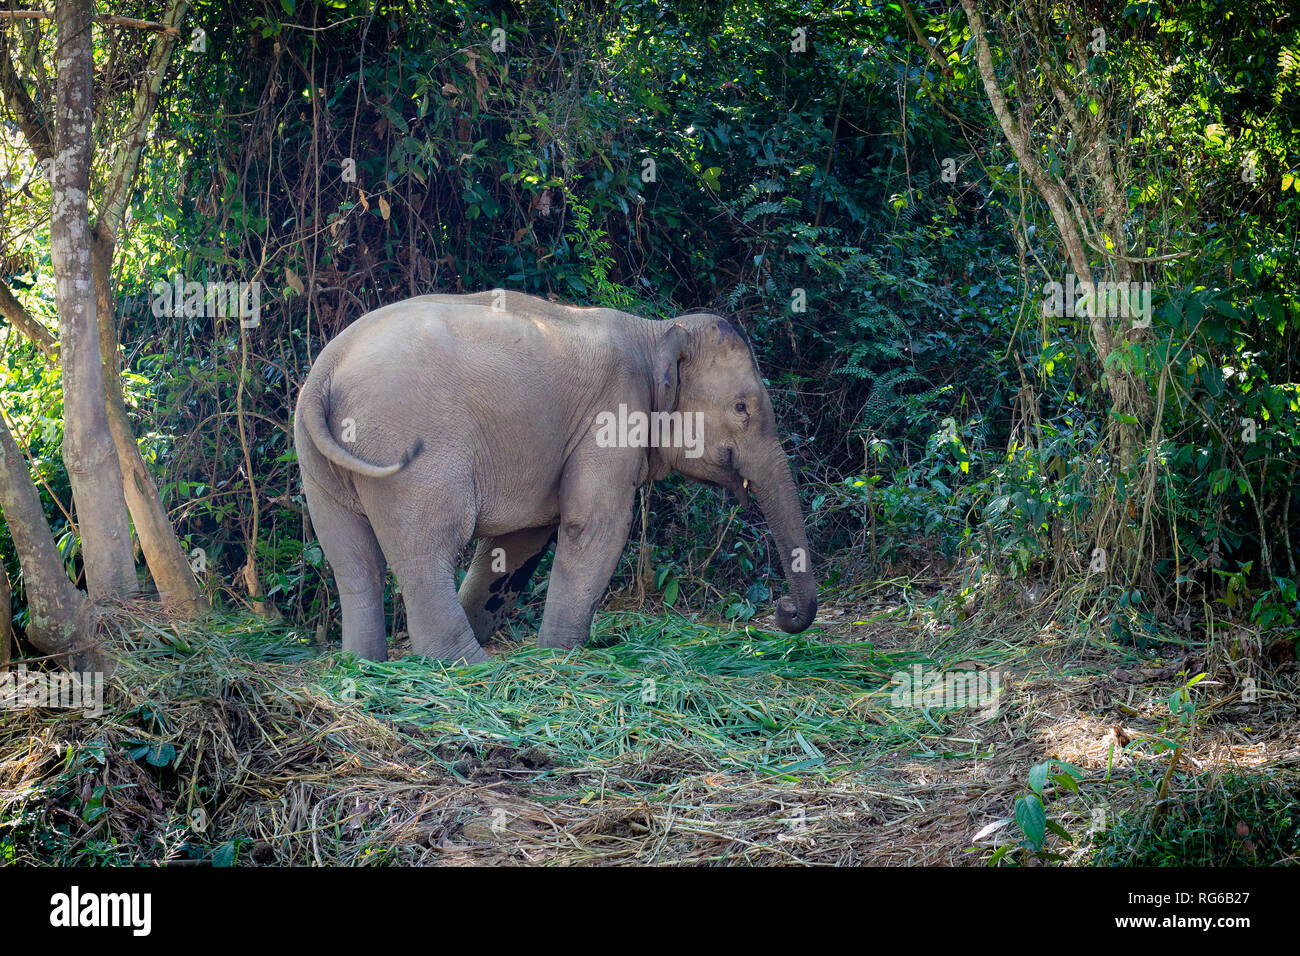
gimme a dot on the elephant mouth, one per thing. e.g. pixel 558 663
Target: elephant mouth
pixel 742 488
pixel 744 491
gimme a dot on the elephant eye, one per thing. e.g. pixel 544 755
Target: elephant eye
pixel 741 409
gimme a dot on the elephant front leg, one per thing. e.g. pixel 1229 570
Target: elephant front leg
pixel 591 540
pixel 502 567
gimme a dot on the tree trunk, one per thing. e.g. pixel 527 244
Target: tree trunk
pixel 88 451
pixel 59 619
pixel 162 550
pixel 6 619
pixel 177 589
pixel 1127 394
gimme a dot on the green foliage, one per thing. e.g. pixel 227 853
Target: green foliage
pixel 1238 820
pixel 1031 816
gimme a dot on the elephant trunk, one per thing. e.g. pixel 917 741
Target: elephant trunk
pixel 774 488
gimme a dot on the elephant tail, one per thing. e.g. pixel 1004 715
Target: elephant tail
pixel 312 411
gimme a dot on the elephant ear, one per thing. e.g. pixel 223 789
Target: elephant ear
pixel 671 350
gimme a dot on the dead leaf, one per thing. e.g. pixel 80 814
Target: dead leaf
pixel 480 830
pixel 292 279
pixel 989 830
pixel 384 208
pixel 1119 736
pixel 1282 651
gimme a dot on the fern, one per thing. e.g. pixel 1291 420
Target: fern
pixel 592 249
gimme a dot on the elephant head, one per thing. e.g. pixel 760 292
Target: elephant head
pixel 705 370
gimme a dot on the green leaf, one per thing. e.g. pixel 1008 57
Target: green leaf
pixel 1069 768
pixel 1038 776
pixel 160 755
pixel 670 592
pixel 1032 820
pixel 224 855
pixel 1060 831
pixel 1066 781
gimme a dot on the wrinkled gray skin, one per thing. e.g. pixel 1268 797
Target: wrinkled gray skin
pixel 441 420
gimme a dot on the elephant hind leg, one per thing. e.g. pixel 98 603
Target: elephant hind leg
pixel 358 565
pixel 500 571
pixel 421 544
pixel 437 623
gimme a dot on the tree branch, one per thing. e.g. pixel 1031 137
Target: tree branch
pixel 104 18
pixel 35 124
pixel 1051 191
pixel 112 204
pixel 921 38
pixel 26 323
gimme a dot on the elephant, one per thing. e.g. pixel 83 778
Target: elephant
pixel 516 422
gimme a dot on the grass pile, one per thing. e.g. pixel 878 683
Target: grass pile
pixel 743 699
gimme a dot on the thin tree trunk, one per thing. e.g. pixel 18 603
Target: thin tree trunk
pixel 88 451
pixel 256 596
pixel 162 550
pixel 177 588
pixel 6 619
pixel 59 619
pixel 1127 396
pixel 1129 399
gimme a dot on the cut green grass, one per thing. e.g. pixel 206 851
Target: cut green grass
pixel 744 699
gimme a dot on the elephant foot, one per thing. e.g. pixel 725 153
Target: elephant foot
pixel 464 650
pixel 367 647
pixel 559 640
pixel 485 626
pixel 474 656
